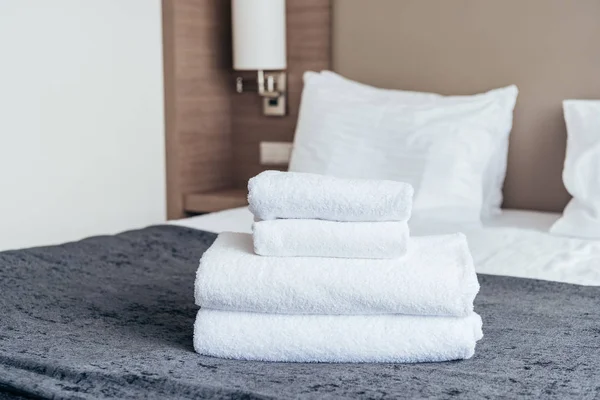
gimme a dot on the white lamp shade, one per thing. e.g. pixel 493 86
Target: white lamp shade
pixel 258 34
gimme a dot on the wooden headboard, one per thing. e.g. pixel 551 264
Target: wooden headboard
pixel 549 48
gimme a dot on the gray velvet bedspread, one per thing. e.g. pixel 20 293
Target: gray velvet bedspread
pixel 112 317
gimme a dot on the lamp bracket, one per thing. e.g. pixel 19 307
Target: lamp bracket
pixel 272 87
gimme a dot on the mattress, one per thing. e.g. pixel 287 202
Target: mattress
pixel 515 243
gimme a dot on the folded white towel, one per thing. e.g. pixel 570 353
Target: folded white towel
pixel 436 277
pixel 335 338
pixel 319 238
pixel 274 194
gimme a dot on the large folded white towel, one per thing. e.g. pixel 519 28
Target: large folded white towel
pixel 319 238
pixel 335 338
pixel 436 277
pixel 274 194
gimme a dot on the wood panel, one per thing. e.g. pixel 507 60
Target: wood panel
pixel 197 63
pixel 213 133
pixel 308 48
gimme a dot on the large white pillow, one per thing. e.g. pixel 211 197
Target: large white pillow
pixel 500 127
pixel 581 173
pixel 443 148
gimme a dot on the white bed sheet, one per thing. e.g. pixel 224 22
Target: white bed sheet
pixel 515 243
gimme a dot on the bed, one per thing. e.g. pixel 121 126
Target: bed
pixel 112 316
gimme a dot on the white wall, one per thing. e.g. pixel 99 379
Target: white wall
pixel 81 119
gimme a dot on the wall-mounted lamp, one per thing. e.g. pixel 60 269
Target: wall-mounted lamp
pixel 259 45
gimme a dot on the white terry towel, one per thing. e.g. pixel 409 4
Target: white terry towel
pixel 275 194
pixel 319 238
pixel 436 277
pixel 335 338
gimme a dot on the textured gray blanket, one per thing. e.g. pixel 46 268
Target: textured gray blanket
pixel 112 316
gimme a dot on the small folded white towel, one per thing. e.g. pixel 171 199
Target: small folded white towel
pixel 319 238
pixel 335 338
pixel 436 277
pixel 274 194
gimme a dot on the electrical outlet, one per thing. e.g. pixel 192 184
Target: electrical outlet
pixel 274 106
pixel 275 153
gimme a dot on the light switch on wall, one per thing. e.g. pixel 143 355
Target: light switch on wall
pixel 275 153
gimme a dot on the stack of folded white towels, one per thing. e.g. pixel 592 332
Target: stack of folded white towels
pixel 330 274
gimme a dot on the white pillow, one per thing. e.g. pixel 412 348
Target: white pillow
pixel 500 127
pixel 441 149
pixel 581 173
